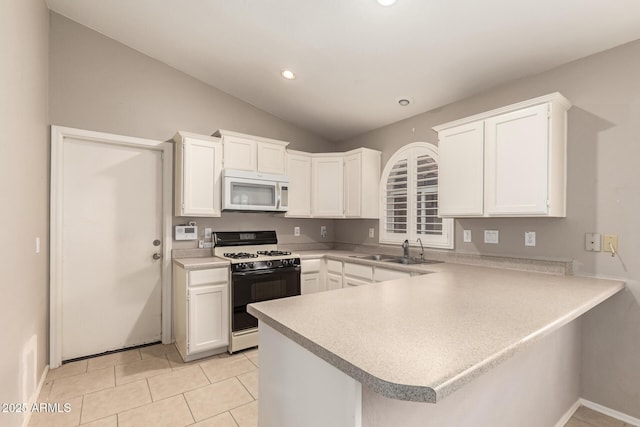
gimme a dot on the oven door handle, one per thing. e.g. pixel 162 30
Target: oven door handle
pixel 260 272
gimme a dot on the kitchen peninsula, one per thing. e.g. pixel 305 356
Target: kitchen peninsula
pixel 461 346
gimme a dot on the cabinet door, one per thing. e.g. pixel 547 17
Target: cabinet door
pixel 299 172
pixel 240 153
pixel 516 156
pixel 310 283
pixel 353 185
pixel 271 158
pixel 334 281
pixel 327 198
pixel 208 318
pixel 350 281
pixel 461 170
pixel 200 186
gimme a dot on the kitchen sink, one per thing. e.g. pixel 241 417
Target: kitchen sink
pixel 395 259
pixel 376 257
pixel 402 260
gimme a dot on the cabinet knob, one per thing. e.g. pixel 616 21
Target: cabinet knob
pixel 157 256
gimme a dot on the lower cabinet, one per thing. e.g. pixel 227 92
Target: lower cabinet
pixel 201 311
pixel 311 276
pixel 334 281
pixel 384 274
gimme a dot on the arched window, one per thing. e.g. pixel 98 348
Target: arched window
pixel 409 192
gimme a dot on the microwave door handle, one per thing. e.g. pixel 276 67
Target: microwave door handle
pixel 278 194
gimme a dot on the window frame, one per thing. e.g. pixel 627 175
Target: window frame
pixel 410 153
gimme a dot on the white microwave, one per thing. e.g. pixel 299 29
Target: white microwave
pixel 254 191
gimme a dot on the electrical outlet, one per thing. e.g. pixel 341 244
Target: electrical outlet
pixel 492 236
pixel 207 233
pixel 592 242
pixel 201 244
pixel 610 243
pixel 323 231
pixel 466 236
pixel 372 233
pixel 529 238
pixel 296 231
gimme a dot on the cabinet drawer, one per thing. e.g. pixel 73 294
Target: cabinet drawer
pixel 358 270
pixel 212 275
pixel 383 274
pixel 334 266
pixel 310 265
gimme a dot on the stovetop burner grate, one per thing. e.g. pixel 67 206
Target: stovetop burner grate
pixel 240 255
pixel 274 253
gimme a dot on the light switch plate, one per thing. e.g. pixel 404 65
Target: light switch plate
pixel 207 233
pixel 323 231
pixel 372 233
pixel 466 236
pixel 492 236
pixel 609 241
pixel 529 238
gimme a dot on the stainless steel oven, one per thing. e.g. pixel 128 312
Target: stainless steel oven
pixel 259 272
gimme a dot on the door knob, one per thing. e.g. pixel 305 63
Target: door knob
pixel 157 256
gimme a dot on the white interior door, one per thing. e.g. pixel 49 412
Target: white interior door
pixel 109 210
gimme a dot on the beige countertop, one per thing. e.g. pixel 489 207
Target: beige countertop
pixel 422 338
pixel 201 262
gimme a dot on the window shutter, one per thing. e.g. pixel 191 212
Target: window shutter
pixel 409 208
pixel 396 209
pixel 427 221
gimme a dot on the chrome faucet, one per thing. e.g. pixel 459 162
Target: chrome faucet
pixel 422 249
pixel 405 248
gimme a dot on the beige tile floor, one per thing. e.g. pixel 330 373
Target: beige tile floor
pixel 153 387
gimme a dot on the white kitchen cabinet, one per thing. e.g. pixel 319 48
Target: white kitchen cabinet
pixel 299 172
pixel 310 283
pixel 254 153
pixel 327 186
pixel 351 281
pixel 518 153
pixel 311 276
pixel 334 281
pixel 362 183
pixel 198 165
pixel 461 170
pixel 201 311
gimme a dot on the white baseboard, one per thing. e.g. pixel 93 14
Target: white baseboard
pixel 34 396
pixel 610 412
pixel 567 415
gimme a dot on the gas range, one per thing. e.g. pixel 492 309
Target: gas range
pixel 259 272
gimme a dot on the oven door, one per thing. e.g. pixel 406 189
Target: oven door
pixel 255 286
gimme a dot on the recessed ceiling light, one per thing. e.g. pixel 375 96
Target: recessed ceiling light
pixel 288 74
pixel 386 2
pixel 404 102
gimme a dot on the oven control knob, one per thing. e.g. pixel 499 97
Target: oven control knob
pixel 269 263
pixel 285 262
pixel 251 265
pixel 242 266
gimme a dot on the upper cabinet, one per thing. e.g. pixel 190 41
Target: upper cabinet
pixel 198 165
pixel 327 185
pixel 254 153
pixel 299 172
pixel 362 183
pixel 506 162
pixel 334 185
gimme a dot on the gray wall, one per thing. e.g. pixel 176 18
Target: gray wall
pixel 100 84
pixel 24 191
pixel 603 195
